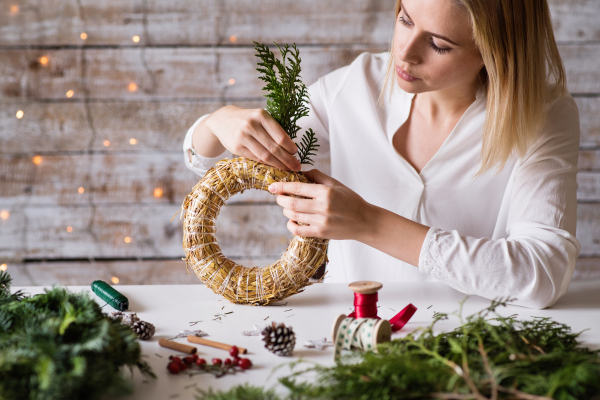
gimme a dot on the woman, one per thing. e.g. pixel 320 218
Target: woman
pixel 464 172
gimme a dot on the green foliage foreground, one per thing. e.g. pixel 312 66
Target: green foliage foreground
pixel 59 345
pixel 488 357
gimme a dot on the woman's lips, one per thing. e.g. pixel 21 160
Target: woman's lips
pixel 404 75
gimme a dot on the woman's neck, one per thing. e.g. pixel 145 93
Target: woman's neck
pixel 448 104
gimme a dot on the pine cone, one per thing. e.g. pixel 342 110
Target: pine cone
pixel 279 339
pixel 126 319
pixel 117 315
pixel 144 330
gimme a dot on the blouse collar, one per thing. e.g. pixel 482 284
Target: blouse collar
pixel 398 108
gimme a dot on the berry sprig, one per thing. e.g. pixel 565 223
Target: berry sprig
pixel 218 367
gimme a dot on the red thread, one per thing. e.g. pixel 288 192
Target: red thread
pixel 365 306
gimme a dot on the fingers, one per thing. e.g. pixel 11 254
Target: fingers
pixel 319 177
pixel 259 153
pixel 303 230
pixel 295 204
pixel 298 188
pixel 275 150
pixel 276 132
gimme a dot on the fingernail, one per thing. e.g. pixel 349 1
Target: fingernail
pixel 272 187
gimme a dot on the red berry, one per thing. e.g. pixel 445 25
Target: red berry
pixel 234 351
pixel 227 361
pixel 201 362
pixel 188 360
pixel 195 357
pixel 245 363
pixel 216 361
pixel 173 368
pixel 176 359
pixel 236 360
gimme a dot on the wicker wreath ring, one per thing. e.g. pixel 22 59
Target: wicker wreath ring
pixel 239 284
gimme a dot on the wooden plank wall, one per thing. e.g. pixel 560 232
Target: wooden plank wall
pixel 65 219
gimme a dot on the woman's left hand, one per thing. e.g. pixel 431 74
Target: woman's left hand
pixel 332 211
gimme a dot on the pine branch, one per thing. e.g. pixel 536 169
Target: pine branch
pixel 5 281
pixel 287 97
pixel 308 147
pixel 59 345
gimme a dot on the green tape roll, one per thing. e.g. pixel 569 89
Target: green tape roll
pixel 109 294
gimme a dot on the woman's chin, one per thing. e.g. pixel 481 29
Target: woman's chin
pixel 411 87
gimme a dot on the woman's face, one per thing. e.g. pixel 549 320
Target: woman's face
pixel 434 47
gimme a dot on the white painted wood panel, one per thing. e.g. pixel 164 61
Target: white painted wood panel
pixel 209 22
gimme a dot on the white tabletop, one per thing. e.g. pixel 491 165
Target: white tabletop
pixel 171 308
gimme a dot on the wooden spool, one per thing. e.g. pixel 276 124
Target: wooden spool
pixel 365 287
pixel 382 329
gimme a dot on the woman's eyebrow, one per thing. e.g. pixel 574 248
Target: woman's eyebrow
pixel 431 33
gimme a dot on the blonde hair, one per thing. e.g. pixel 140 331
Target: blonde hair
pixel 516 41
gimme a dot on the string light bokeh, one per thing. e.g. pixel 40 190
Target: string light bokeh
pixel 95 135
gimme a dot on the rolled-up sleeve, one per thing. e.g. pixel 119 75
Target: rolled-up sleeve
pixel 321 94
pixel 194 161
pixel 536 260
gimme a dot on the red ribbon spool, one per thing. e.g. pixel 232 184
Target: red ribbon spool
pixel 365 304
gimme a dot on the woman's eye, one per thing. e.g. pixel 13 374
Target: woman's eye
pixel 403 21
pixel 438 50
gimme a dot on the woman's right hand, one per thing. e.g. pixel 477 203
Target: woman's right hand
pixel 254 134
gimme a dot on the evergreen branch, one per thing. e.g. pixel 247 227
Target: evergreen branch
pixel 59 345
pixel 496 357
pixel 287 97
pixel 308 147
pixel 5 281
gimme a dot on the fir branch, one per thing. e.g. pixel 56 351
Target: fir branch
pixel 308 147
pixel 488 357
pixel 287 97
pixel 5 281
pixel 245 392
pixel 59 345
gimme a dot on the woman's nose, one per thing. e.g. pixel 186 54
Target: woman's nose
pixel 409 49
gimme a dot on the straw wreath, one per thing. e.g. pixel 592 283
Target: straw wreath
pixel 239 284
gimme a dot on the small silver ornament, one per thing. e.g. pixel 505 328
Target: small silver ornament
pixel 318 344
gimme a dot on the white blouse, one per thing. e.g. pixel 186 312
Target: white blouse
pixel 510 233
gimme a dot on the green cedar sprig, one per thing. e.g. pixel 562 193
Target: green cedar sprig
pixel 308 147
pixel 59 345
pixel 287 96
pixel 244 391
pixel 488 357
